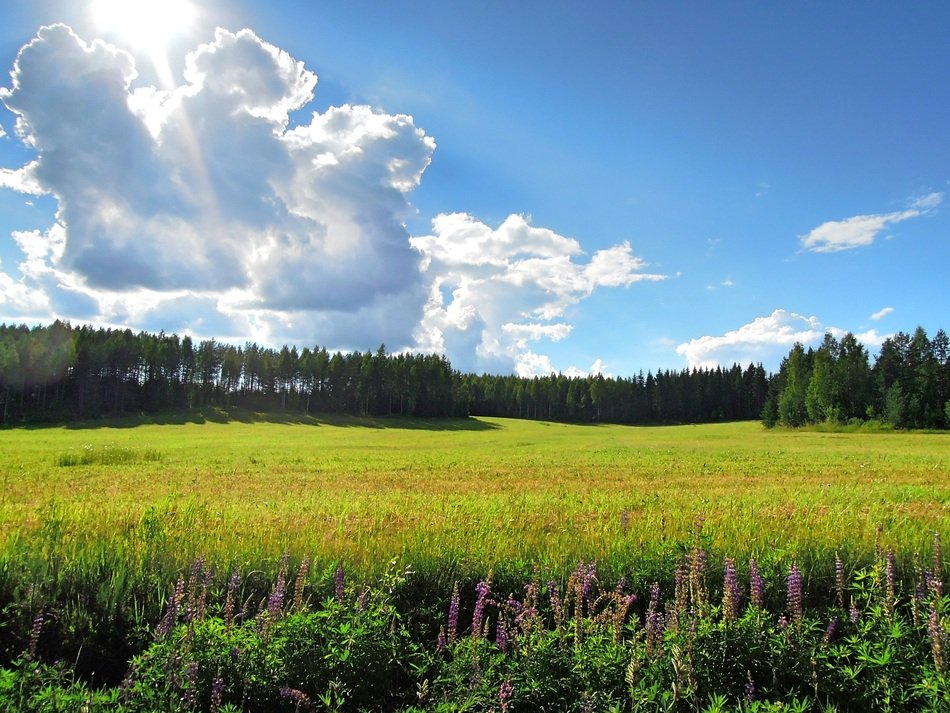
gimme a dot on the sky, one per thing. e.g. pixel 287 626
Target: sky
pixel 527 187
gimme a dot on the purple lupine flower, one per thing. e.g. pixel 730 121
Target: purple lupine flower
pixel 697 577
pixel 297 697
pixel 230 601
pixel 482 590
pixel 588 577
pixel 440 642
pixel 191 683
pixel 34 641
pixel 501 635
pixel 749 690
pixel 275 602
pixel 783 622
pixel 756 585
pixel 938 637
pixel 217 693
pixel 362 601
pixel 171 611
pixel 300 584
pixel 731 592
pixel 339 583
pixel 556 605
pixel 854 616
pixel 453 623
pixel 505 691
pixel 794 595
pixel 840 581
pixel 831 632
pixel 654 621
pixel 889 580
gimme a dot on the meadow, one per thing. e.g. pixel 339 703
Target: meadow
pixel 99 520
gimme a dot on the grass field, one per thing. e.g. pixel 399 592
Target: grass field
pixel 479 492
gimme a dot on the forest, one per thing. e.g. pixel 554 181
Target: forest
pixel 59 373
pixel 907 387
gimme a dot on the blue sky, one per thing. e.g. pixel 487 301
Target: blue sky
pixel 527 186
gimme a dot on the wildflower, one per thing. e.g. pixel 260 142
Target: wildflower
pixel 831 632
pixel 217 693
pixel 654 621
pixel 783 622
pixel 556 606
pixel 794 594
pixel 297 697
pixel 339 582
pixel 231 600
pixel 275 602
pixel 171 611
pixel 300 583
pixel 505 692
pixel 191 683
pixel 854 616
pixel 34 638
pixel 889 578
pixel 756 585
pixel 453 623
pixel 501 635
pixel 697 573
pixel 482 590
pixel 731 593
pixel 749 689
pixel 440 642
pixel 938 637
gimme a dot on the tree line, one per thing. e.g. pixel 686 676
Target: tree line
pixel 908 385
pixel 62 373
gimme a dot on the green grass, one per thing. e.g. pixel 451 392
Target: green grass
pixel 469 494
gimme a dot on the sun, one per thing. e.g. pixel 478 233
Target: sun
pixel 147 25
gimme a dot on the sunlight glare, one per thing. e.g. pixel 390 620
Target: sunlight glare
pixel 146 24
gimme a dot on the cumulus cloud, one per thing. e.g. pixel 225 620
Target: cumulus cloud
pixel 862 230
pixel 881 314
pixel 495 292
pixel 758 341
pixel 764 340
pixel 210 209
pixel 206 196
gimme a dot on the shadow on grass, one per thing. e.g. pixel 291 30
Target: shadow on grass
pixel 239 415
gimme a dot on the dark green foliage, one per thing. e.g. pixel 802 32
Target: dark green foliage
pixel 61 373
pixel 577 647
pixel 908 386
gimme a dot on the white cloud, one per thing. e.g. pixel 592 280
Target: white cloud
pixel 764 339
pixel 2 131
pixel 598 367
pixel 759 340
pixel 861 230
pixel 881 314
pixel 206 197
pixel 494 292
pixel 727 283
